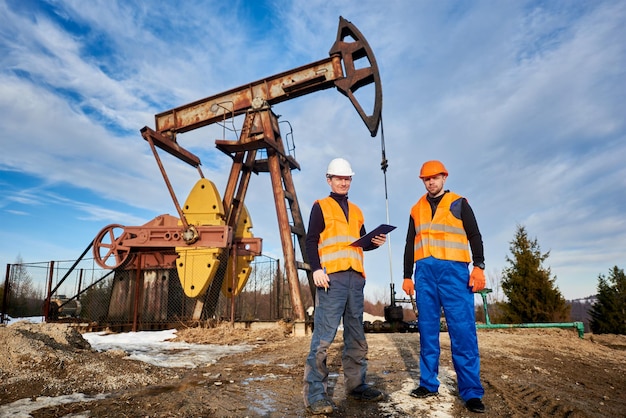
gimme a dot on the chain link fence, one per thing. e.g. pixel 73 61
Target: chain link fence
pixel 140 295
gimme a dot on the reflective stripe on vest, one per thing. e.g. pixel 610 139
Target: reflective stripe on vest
pixel 441 236
pixel 334 248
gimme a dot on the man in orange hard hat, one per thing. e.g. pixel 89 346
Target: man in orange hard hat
pixel 339 276
pixel 441 226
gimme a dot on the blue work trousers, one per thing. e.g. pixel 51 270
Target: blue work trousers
pixel 444 284
pixel 342 300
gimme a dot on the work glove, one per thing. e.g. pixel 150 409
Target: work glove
pixel 477 279
pixel 408 286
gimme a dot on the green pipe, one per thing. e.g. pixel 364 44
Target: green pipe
pixel 578 325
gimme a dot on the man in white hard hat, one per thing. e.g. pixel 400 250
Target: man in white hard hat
pixel 442 229
pixel 339 277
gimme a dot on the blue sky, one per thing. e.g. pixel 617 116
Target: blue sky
pixel 523 101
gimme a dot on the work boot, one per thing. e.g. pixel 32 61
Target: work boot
pixel 321 407
pixel 366 393
pixel 475 405
pixel 422 392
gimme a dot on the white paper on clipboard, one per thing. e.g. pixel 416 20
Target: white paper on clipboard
pixel 366 239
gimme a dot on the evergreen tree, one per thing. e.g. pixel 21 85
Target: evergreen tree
pixel 530 289
pixel 608 314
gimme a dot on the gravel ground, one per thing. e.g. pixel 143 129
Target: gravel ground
pixel 526 373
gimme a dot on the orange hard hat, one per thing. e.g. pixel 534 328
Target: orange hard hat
pixel 432 168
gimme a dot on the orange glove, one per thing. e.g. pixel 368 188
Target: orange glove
pixel 477 279
pixel 408 286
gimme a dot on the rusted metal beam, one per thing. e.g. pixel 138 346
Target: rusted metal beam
pixel 169 146
pixel 349 47
pixel 248 246
pixel 165 231
pixel 164 237
pixel 275 89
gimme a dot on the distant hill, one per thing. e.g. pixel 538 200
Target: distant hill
pixel 580 310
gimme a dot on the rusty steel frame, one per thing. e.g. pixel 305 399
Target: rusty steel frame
pixel 260 132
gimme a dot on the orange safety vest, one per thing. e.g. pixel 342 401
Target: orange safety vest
pixel 334 248
pixel 441 236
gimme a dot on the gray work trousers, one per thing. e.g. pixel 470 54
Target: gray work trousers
pixel 342 300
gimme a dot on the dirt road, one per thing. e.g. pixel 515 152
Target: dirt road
pixel 540 373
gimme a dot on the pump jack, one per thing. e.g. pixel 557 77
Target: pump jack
pixel 208 237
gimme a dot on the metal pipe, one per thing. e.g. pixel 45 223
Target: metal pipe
pixel 168 184
pixel 578 325
pixel 483 293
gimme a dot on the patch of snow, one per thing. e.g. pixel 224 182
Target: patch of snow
pixel 372 318
pixel 155 347
pixel 401 404
pixel 23 407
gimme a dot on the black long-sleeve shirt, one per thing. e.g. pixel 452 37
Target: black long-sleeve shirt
pixel 469 225
pixel 317 225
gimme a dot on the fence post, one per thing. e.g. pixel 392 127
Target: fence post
pixel 46 305
pixel 138 286
pixel 5 295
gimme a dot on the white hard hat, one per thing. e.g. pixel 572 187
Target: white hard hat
pixel 339 167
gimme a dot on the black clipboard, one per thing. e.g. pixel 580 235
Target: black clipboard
pixel 366 239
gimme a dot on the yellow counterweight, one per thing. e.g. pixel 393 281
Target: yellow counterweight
pixel 243 269
pixel 197 265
